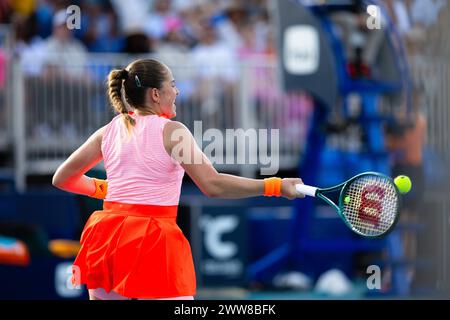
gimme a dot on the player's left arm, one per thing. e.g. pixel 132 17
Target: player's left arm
pixel 70 176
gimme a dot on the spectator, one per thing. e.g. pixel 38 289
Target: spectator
pixel 5 11
pixel 212 58
pixel 131 14
pixel 23 7
pixel 100 27
pixel 30 47
pixel 161 19
pixel 362 45
pixel 217 73
pixel 137 42
pixel 65 54
pixel 228 24
pixel 425 12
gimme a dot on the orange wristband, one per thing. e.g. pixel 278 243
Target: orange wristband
pixel 272 187
pixel 101 187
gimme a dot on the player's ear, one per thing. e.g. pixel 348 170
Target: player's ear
pixel 153 94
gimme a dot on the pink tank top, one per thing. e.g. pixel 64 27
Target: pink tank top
pixel 138 168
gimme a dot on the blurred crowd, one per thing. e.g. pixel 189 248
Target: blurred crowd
pixel 221 28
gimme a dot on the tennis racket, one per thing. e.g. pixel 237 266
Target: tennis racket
pixel 369 203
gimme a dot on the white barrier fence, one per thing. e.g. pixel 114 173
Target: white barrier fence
pixel 434 76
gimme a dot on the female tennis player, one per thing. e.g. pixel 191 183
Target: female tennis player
pixel 133 248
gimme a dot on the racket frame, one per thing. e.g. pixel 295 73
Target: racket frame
pixel 339 208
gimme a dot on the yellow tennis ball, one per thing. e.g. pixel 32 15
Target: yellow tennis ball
pixel 403 183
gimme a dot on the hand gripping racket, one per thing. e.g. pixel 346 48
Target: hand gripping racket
pixel 368 203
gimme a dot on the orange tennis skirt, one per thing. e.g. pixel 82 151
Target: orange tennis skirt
pixel 137 251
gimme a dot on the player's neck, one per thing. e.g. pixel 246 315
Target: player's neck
pixel 146 112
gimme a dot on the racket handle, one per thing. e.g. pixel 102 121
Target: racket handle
pixel 306 190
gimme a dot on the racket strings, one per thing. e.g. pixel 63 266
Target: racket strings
pixel 372 206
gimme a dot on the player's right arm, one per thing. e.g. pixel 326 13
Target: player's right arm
pixel 181 145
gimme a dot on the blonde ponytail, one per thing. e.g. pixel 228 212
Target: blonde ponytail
pixel 115 82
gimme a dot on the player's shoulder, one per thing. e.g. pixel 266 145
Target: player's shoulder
pixel 172 126
pixel 174 131
pixel 98 135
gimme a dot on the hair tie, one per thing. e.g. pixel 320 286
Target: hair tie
pixel 138 82
pixel 124 74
